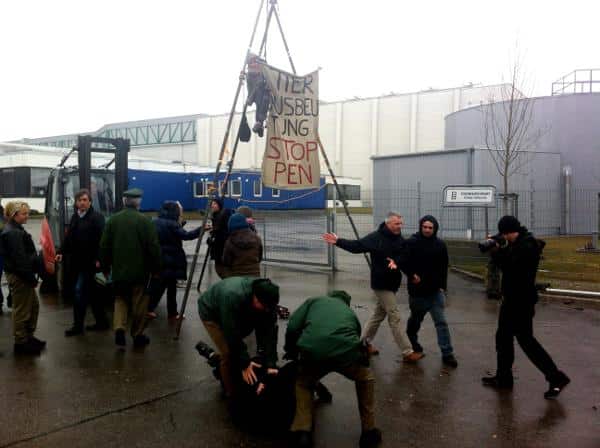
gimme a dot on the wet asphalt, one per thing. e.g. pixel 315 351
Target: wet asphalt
pixel 83 392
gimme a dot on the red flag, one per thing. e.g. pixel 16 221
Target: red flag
pixel 48 249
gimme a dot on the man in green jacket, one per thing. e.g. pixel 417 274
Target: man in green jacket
pixel 129 246
pixel 324 334
pixel 232 309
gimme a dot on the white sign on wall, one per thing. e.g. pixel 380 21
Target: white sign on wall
pixel 469 196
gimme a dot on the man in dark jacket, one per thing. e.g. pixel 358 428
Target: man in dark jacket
pixel 174 262
pixel 82 245
pixel 243 249
pixel 218 234
pixel 232 309
pixel 324 333
pixel 22 265
pixel 385 244
pixel 427 264
pixel 129 246
pixel 518 257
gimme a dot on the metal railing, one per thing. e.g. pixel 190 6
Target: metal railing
pixel 578 81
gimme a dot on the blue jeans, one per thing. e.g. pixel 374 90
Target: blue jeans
pixel 85 292
pixel 434 305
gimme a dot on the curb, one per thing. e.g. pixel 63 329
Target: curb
pixel 563 299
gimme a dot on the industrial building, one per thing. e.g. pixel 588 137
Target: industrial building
pixel 352 131
pixel 557 184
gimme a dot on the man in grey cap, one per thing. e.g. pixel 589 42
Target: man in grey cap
pixel 130 247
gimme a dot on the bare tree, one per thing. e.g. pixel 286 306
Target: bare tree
pixel 508 126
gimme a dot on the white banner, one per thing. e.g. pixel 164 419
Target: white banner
pixel 291 160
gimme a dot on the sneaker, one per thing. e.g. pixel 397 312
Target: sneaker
pixel 151 315
pixel 120 337
pixel 141 340
pixel 450 361
pixel 97 327
pixel 27 348
pixel 370 438
pixel 73 331
pixel 497 382
pixel 413 357
pixel 41 344
pixel 557 385
pixel 301 439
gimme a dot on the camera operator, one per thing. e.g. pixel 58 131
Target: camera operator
pixel 517 254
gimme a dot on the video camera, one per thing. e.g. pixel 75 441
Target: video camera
pixel 493 241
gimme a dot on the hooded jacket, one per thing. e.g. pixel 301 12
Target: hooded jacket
pixel 519 263
pixel 243 253
pixel 381 244
pixel 170 236
pixel 228 303
pixel 325 330
pixel 428 258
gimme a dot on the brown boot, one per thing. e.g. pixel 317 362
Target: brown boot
pixel 413 357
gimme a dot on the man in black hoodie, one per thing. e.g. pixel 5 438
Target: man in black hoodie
pixel 518 257
pixel 427 267
pixel 384 244
pixel 82 244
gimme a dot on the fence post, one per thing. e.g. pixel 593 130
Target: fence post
pixel 264 241
pixel 419 201
pixel 532 207
pixel 333 227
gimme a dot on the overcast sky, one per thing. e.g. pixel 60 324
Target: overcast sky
pixel 72 66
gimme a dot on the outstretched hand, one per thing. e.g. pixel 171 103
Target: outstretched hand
pixel 330 238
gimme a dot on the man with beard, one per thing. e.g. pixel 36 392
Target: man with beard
pixel 427 264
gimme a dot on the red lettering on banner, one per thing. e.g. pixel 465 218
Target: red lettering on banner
pixel 279 169
pixel 307 174
pixel 272 146
pixel 292 172
pixel 297 145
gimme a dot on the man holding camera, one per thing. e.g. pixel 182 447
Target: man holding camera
pixel 324 335
pixel 232 309
pixel 517 252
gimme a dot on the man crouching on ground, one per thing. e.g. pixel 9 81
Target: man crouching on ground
pixel 324 333
pixel 232 309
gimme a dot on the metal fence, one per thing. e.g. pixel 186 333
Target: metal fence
pixel 294 237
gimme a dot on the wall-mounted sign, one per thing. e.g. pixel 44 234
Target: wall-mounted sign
pixel 469 196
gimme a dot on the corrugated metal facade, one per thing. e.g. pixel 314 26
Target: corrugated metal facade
pixel 413 184
pixel 568 125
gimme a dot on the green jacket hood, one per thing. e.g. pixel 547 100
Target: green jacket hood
pixel 342 295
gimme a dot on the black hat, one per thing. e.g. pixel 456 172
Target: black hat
pixel 266 292
pixel 508 224
pixel 133 193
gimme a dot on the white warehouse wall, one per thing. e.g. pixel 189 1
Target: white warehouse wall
pixel 352 131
